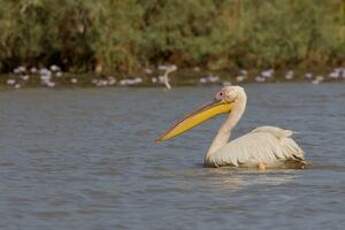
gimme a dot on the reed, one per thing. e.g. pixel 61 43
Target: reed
pixel 125 35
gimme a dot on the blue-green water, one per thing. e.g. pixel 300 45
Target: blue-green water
pixel 86 159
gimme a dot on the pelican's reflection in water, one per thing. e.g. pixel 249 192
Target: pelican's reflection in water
pixel 231 179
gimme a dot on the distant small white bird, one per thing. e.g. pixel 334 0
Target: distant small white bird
pixel 226 83
pixel 203 80
pixel 308 76
pixel 123 82
pixel 25 77
pixel 58 74
pixel 148 71
pixel 243 72
pixel 16 71
pixel 45 72
pixel 334 75
pixel 55 68
pixel 318 80
pixel 50 84
pixel 111 80
pixel 267 73
pixel 260 79
pixel 196 69
pixel 337 73
pixel 33 70
pixel 210 79
pixel 102 83
pixel 138 80
pixel 240 78
pixel 45 77
pixel 11 82
pixel 17 86
pixel 213 79
pixel 289 75
pixel 19 70
pixel 131 82
pixel 154 80
pixel 74 80
pixel 165 77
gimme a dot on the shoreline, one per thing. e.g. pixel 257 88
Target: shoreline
pixel 153 78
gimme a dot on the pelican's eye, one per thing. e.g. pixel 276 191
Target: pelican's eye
pixel 220 95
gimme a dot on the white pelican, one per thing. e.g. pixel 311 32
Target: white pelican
pixel 264 147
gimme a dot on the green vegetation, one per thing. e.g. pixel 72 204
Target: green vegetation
pixel 126 35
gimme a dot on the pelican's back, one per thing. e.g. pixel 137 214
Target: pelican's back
pixel 270 145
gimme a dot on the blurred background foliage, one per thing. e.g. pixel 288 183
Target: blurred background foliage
pixel 126 35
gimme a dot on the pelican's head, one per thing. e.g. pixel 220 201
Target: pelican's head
pixel 222 103
pixel 229 93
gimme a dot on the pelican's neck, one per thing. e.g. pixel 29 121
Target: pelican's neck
pixel 223 134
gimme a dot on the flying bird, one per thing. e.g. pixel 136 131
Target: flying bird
pixel 264 147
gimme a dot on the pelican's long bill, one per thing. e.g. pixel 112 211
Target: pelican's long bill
pixel 196 118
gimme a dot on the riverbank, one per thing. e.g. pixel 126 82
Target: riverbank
pixel 54 77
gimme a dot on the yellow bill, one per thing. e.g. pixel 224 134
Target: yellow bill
pixel 196 118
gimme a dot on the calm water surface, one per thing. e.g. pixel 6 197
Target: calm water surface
pixel 86 159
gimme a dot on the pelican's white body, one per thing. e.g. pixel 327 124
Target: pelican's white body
pixel 272 146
